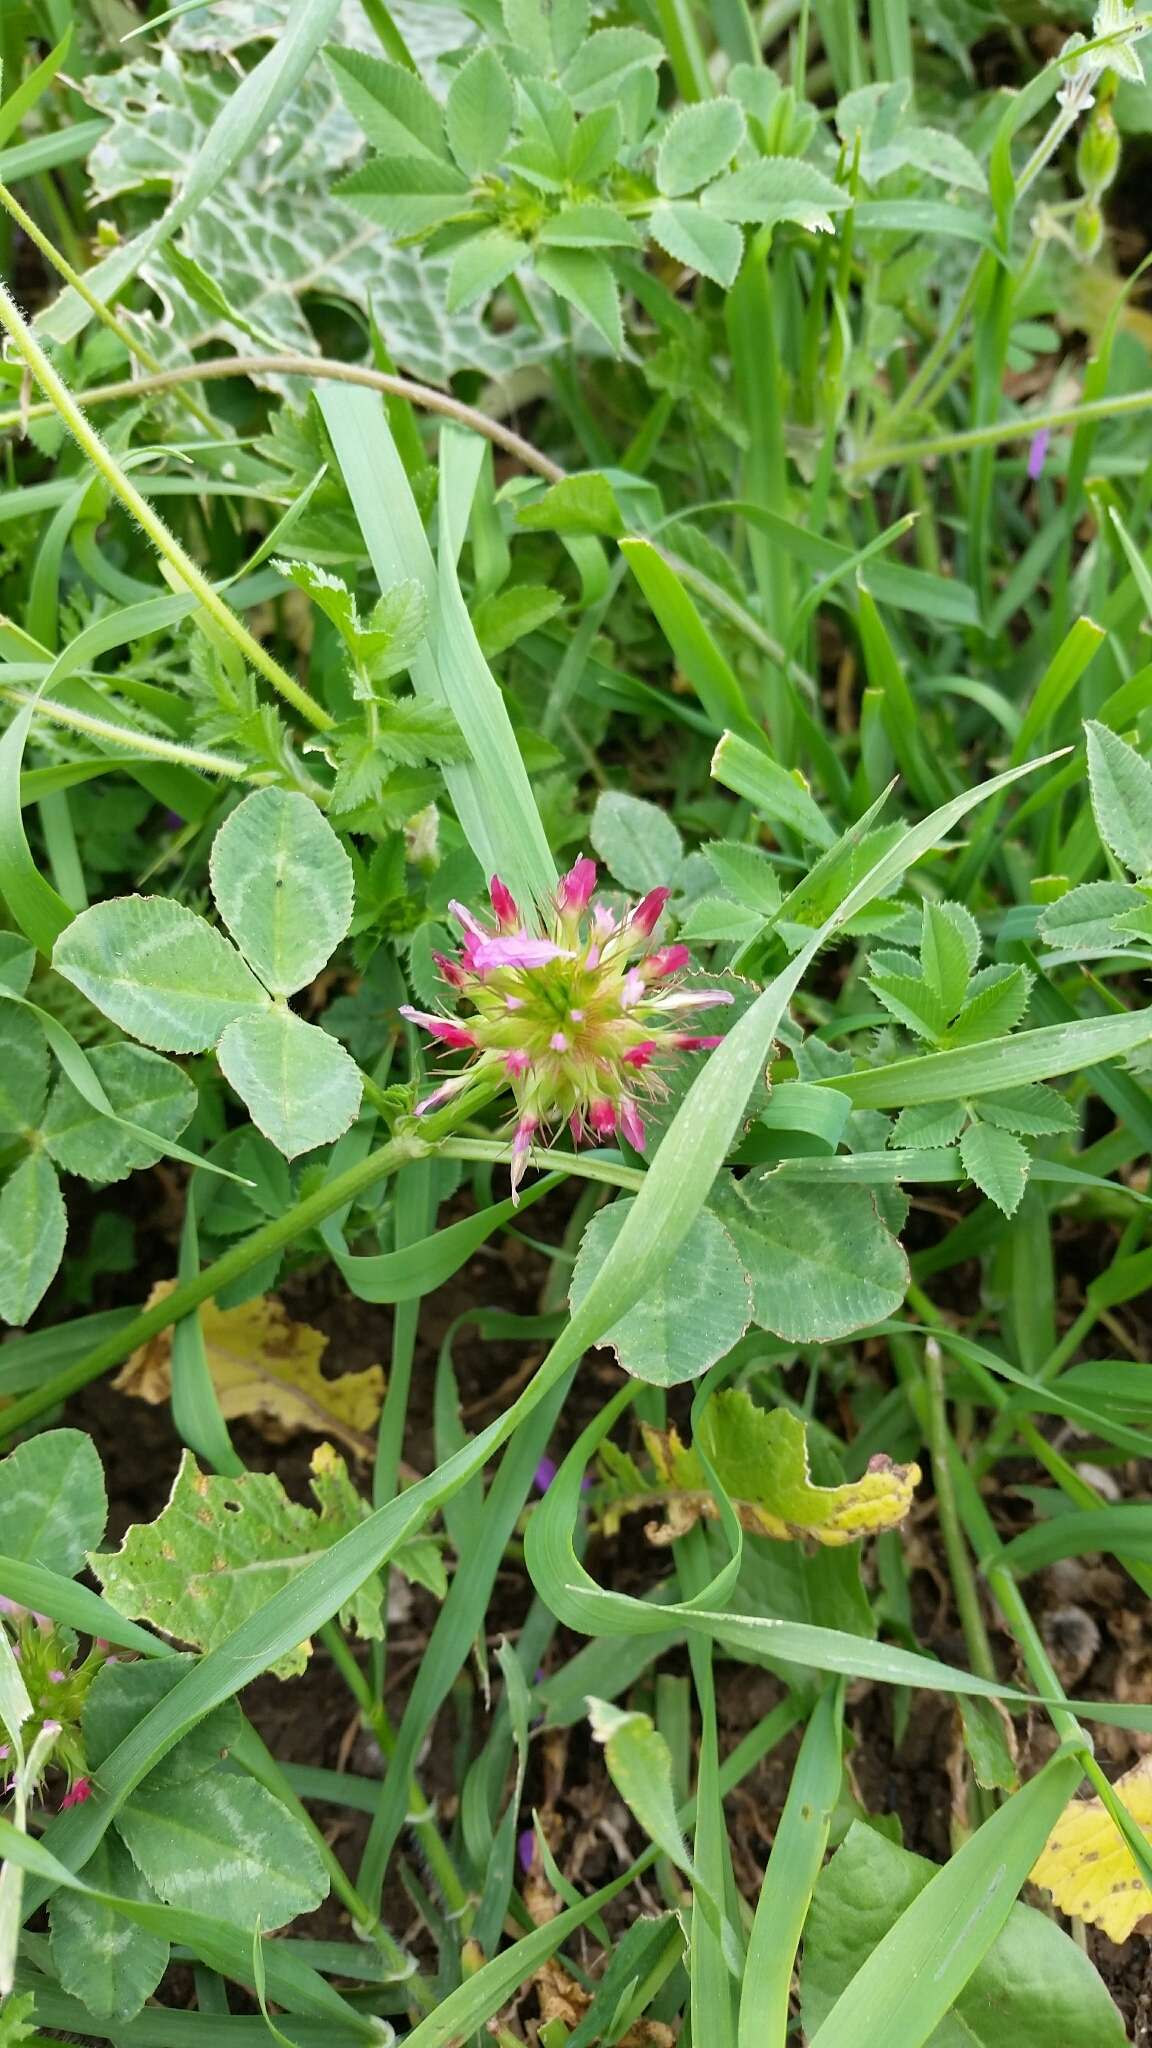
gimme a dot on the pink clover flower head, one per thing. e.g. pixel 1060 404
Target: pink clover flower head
pixel 575 1016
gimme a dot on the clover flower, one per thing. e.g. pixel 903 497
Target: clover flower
pixel 571 1020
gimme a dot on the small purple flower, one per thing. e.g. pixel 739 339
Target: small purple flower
pixel 567 1017
pixel 544 1474
pixel 1037 450
pixel 526 1849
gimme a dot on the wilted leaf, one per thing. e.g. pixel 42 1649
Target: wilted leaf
pixel 1087 1865
pixel 221 1548
pixel 760 1456
pixel 265 1366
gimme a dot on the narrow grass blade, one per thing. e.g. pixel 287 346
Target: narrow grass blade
pixel 492 793
pixel 997 1064
pixel 910 1980
pixel 790 1879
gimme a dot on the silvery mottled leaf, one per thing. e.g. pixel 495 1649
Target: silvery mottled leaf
pixel 274 234
pixel 101 1958
pixel 52 1501
pixel 33 1226
pixel 821 1261
pixel 700 1307
pixel 158 971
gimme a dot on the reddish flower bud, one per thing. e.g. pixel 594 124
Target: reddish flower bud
pixel 669 960
pixel 650 910
pixel 576 886
pixel 504 905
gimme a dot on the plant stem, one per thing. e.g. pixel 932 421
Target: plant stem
pixel 123 736
pixel 421 1813
pixel 960 1566
pixel 166 544
pixel 124 335
pixel 424 395
pixel 1123 405
pixel 232 1265
pixel 585 1165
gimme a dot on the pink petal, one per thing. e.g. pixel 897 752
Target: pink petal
pixel 669 960
pixel 519 951
pixel 577 885
pixel 559 1042
pixel 517 1061
pixel 465 919
pixel 640 1055
pixel 650 909
pixel 633 988
pixel 576 1126
pixel 444 1094
pixel 685 1042
pixel 77 1793
pixel 521 1145
pixel 504 904
pixel 631 1123
pixel 443 1028
pixel 602 1117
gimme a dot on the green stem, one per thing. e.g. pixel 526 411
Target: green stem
pixel 424 395
pixel 232 1265
pixel 960 1565
pixel 586 1166
pixel 166 544
pixel 1122 405
pixel 130 342
pixel 123 736
pixel 421 1814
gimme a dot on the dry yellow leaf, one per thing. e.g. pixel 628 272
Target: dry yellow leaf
pixel 1087 1865
pixel 267 1367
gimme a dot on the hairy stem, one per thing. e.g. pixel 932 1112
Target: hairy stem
pixel 166 544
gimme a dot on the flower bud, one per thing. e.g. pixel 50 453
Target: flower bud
pixel 1087 230
pixel 1098 155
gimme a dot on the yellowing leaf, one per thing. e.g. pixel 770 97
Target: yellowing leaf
pixel 1087 1865
pixel 760 1456
pixel 265 1366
